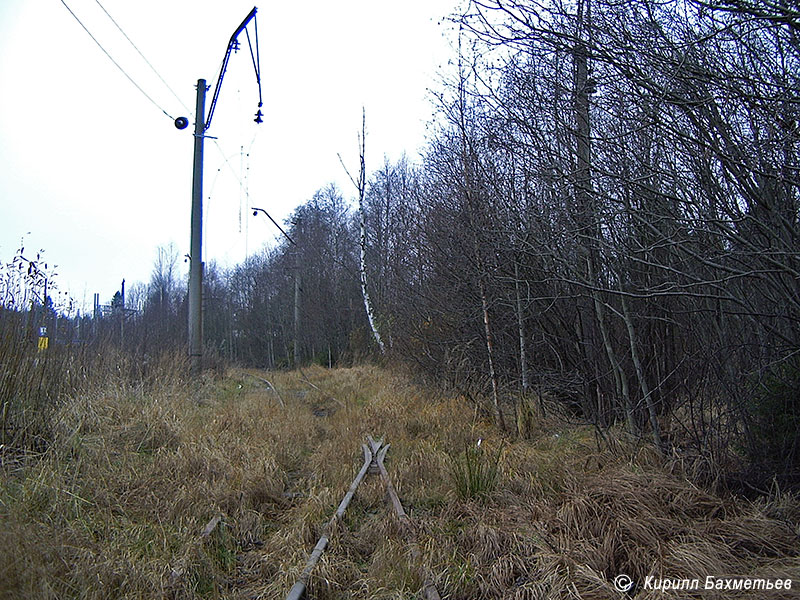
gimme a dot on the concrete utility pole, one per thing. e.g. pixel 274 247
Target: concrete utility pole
pixel 201 125
pixel 296 312
pixel 196 257
pixel 299 229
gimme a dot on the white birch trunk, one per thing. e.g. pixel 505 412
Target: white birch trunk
pixel 363 266
pixel 361 185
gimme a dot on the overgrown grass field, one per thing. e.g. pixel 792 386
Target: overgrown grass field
pixel 114 506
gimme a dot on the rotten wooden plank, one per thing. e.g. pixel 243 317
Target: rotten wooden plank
pixel 210 526
pixel 180 567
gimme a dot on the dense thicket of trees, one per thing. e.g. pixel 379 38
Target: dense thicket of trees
pixel 606 214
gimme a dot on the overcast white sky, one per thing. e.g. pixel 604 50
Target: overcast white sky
pixel 100 177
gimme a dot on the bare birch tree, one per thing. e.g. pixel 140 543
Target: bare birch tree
pixel 361 185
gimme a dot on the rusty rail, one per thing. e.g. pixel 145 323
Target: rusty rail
pixel 268 383
pixel 300 585
pixel 373 462
pixel 429 591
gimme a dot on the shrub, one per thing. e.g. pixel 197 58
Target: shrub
pixel 776 421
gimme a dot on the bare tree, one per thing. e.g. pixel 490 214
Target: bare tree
pixel 361 185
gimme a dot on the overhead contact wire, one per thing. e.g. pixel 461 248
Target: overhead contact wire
pixel 144 58
pixel 256 60
pixel 116 64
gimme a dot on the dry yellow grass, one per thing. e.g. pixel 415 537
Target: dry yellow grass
pixel 115 507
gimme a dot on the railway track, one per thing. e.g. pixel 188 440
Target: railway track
pixel 374 455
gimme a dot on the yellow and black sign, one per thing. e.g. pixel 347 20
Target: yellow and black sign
pixel 43 341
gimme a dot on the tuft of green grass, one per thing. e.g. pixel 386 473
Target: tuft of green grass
pixel 475 474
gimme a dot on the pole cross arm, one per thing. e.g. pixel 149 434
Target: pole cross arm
pixel 256 210
pixel 233 44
